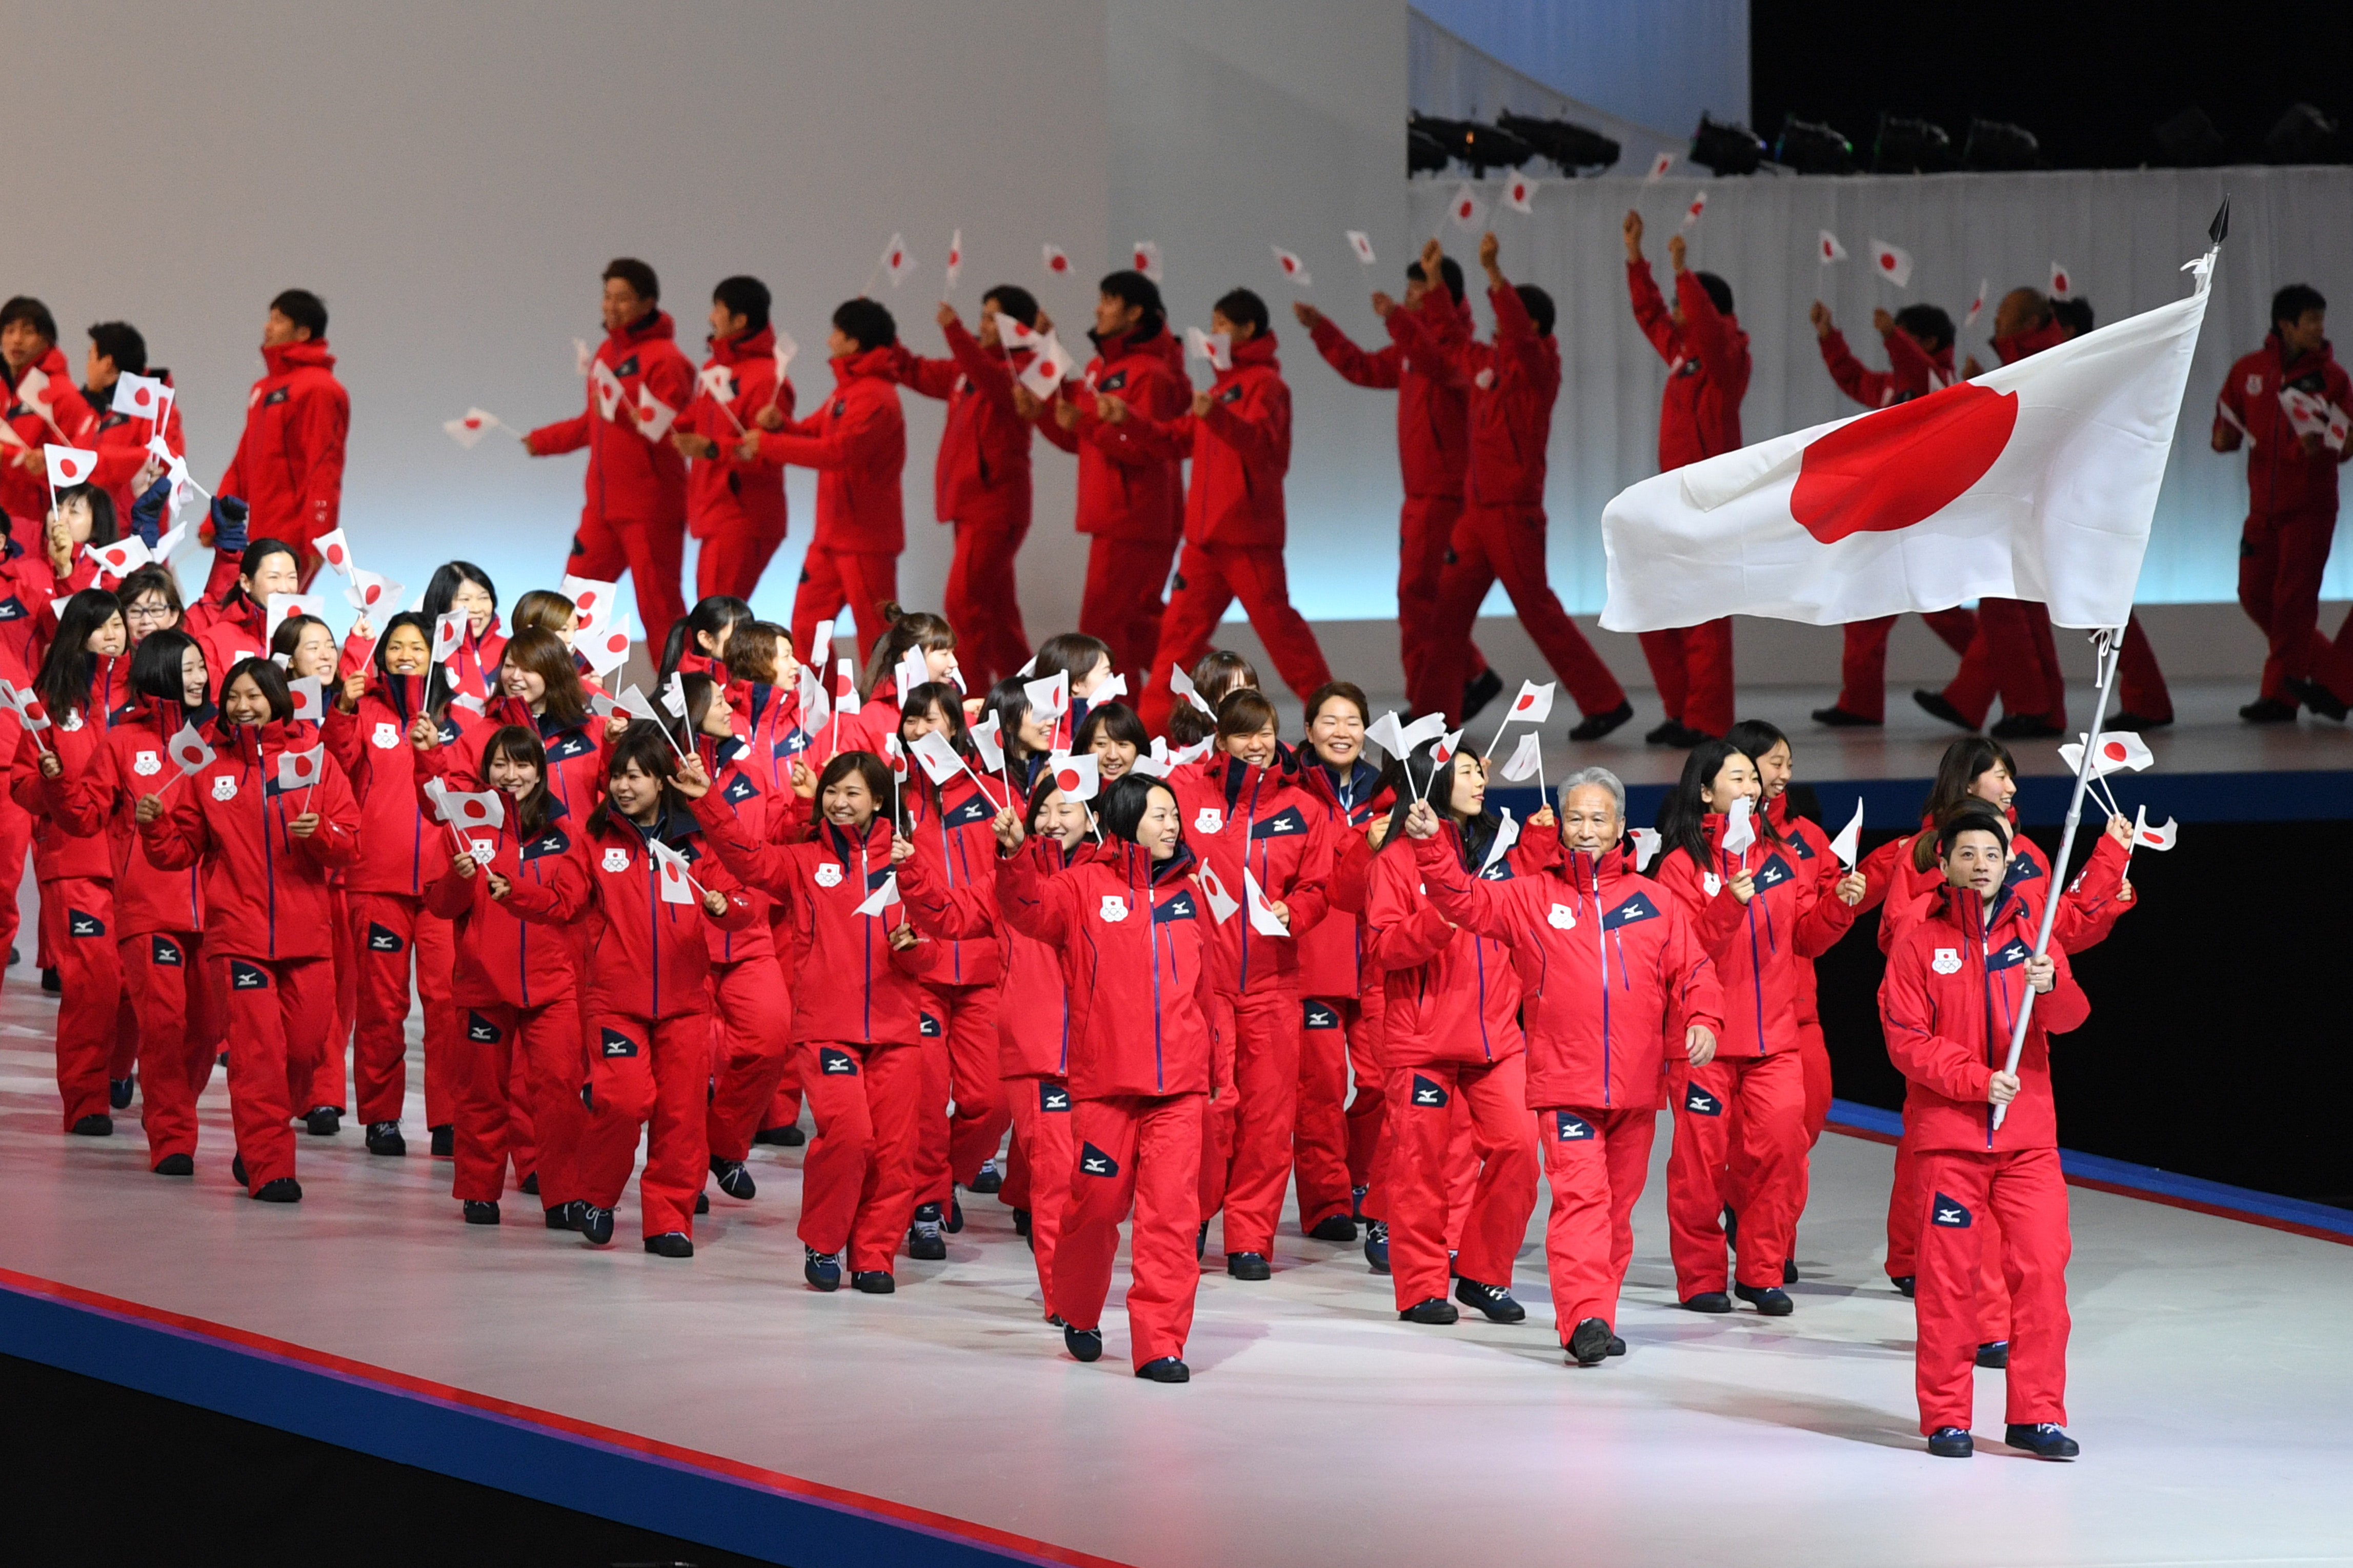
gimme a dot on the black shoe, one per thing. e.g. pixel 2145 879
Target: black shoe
pixel 1771 1300
pixel 955 1222
pixel 445 1141
pixel 925 1242
pixel 176 1166
pixel 1675 732
pixel 781 1137
pixel 1201 1241
pixel 118 1093
pixel 1933 703
pixel 1952 1443
pixel 2268 710
pixel 1167 1369
pixel 821 1270
pixel 1589 1343
pixel 670 1244
pixel 734 1178
pixel 284 1190
pixel 1838 718
pixel 1709 1301
pixel 528 1185
pixel 1593 726
pixel 14 958
pixel 564 1217
pixel 873 1282
pixel 597 1225
pixel 1022 1221
pixel 480 1212
pixel 1994 1357
pixel 1248 1266
pixel 96 1124
pixel 322 1121
pixel 1788 1272
pixel 237 1170
pixel 383 1138
pixel 2035 727
pixel 1085 1345
pixel 1491 1300
pixel 2320 700
pixel 1357 1203
pixel 1333 1228
pixel 2136 722
pixel 1376 1246
pixel 51 983
pixel 1437 1310
pixel 990 1179
pixel 703 1202
pixel 1731 1228
pixel 1478 693
pixel 1617 1345
pixel 1903 1283
pixel 2043 1439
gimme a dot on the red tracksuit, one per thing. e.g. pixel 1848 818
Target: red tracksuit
pixel 1433 429
pixel 752 1026
pixel 1760 1065
pixel 771 719
pixel 517 986
pixel 121 442
pixel 1234 527
pixel 1948 1006
pixel 1135 943
pixel 1131 497
pixel 2291 510
pixel 981 487
pixel 1707 377
pixel 1911 372
pixel 962 984
pixel 857 442
pixel 56 415
pixel 402 850
pixel 735 509
pixel 575 753
pixel 648 1012
pixel 268 920
pixel 1613 971
pixel 634 517
pixel 1341 996
pixel 1450 1023
pixel 289 465
pixel 229 631
pixel 1512 385
pixel 857 1010
pixel 1262 822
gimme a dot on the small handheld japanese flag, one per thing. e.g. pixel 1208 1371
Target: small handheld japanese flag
pixel 1154 764
pixel 120 558
pixel 816 707
pixel 2147 838
pixel 1181 685
pixel 1849 842
pixel 1740 832
pixel 1292 267
pixel 673 694
pixel 1362 243
pixel 1891 263
pixel 913 670
pixel 1017 338
pixel 1534 704
pixel 1076 774
pixel 1194 752
pixel 609 389
pixel 1466 210
pixel 717 382
pixel 1147 260
pixel 607 649
pixel 938 757
pixel 956 256
pixel 283 607
pixel 28 706
pixel 299 770
pixel 69 466
pixel 1646 846
pixel 1049 699
pixel 845 688
pixel 1977 306
pixel 882 898
pixel 1507 833
pixel 1828 249
pixel 2061 284
pixel 1691 213
pixel 1660 164
pixel 654 416
pixel 2119 749
pixel 1046 374
pixel 140 396
pixel 896 755
pixel 593 601
pixel 1222 904
pixel 677 887
pixel 336 549
pixel 786 350
pixel 638 705
pixel 188 750
pixel 480 809
pixel 1057 262
pixel 1428 727
pixel 1383 731
pixel 448 636
pixel 1215 347
pixel 371 591
pixel 988 736
pixel 582 356
pixel 470 426
pixel 896 262
pixel 1448 744
pixel 1525 758
pixel 1263 918
pixel 310 695
pixel 1519 193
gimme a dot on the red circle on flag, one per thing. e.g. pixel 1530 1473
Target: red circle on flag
pixel 474 808
pixel 374 591
pixel 1889 469
pixel 2114 750
pixel 142 396
pixel 334 555
pixel 1462 209
pixel 1528 699
pixel 1066 778
pixel 587 600
pixel 1887 261
pixel 72 470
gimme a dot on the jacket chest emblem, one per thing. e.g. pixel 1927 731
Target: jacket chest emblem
pixel 146 764
pixel 2254 384
pixel 387 737
pixel 616 859
pixel 1484 380
pixel 1114 909
pixel 1948 961
pixel 828 875
pixel 68 724
pixel 1562 918
pixel 1208 819
pixel 225 786
pixel 1713 883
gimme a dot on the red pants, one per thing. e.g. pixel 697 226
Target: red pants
pixel 784 1106
pixel 1815 1054
pixel 833 580
pixel 1246 1155
pixel 2004 660
pixel 983 603
pixel 1598 1163
pixel 1015 1192
pixel 1334 1038
pixel 330 1084
pixel 80 914
pixel 1492 545
pixel 649 1074
pixel 1120 602
pixel 653 553
pixel 1424 534
pixel 175 1062
pixel 2140 684
pixel 277 1016
pixel 1863 666
pixel 753 1029
pixel 1421 1105
pixel 15 841
pixel 2027 1193
pixel 2281 559
pixel 1905 1200
pixel 1767 1096
pixel 1043 1120
pixel 960 1063
pixel 1692 667
pixel 857 1184
pixel 385 928
pixel 1140 1152
pixel 539 1127
pixel 1209 578
pixel 731 562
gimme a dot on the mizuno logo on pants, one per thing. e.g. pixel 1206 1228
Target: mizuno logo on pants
pixel 243 976
pixel 1427 1092
pixel 1948 1214
pixel 1094 1162
pixel 1699 1102
pixel 1053 1097
pixel 383 939
pixel 618 1044
pixel 80 925
pixel 481 1031
pixel 1571 1129
pixel 834 1063
pixel 164 952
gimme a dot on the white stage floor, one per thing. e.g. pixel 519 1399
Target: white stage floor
pixel 2213 1375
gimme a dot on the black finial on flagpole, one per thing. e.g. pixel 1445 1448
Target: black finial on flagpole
pixel 2221 226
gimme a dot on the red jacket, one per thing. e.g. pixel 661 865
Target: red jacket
pixel 401 848
pixel 1128 486
pixel 575 753
pixel 766 813
pixel 121 442
pixel 58 850
pixel 1512 384
pixel 725 496
pixel 983 471
pixel 228 629
pixel 96 805
pixel 1707 368
pixel 1263 820
pixel 1135 941
pixel 630 479
pixel 1450 994
pixel 1332 956
pixel 1613 971
pixel 2021 345
pixel 1241 450
pixel 1033 1005
pixel 647 957
pixel 2282 477
pixel 501 960
pixel 266 891
pixel 1948 1005
pixel 1757 946
pixel 289 465
pixel 2088 910
pixel 857 442
pixel 1811 848
pixel 955 823
pixel 1910 372
pixel 1433 419
pixel 58 416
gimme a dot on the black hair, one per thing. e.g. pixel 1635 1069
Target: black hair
pixel 1970 819
pixel 1930 326
pixel 2075 313
pixel 303 309
pixel 1246 710
pixel 1755 737
pixel 1421 772
pixel 1119 721
pixel 436 675
pixel 155 666
pixel 25 307
pixel 1069 653
pixel 867 323
pixel 520 743
pixel 1119 808
pixel 876 774
pixel 712 615
pixel 549 656
pixel 647 747
pixel 146 579
pixel 1135 289
pixel 289 637
pixel 637 275
pixel 65 678
pixel 269 680
pixel 1683 816
pixel 904 631
pixel 1014 301
pixel 1964 761
pixel 1448 267
pixel 751 649
pixel 1719 293
pixel 743 296
pixel 441 589
pixel 700 691
pixel 258 551
pixel 2291 303
pixel 104 528
pixel 1243 309
pixel 1539 307
pixel 120 342
pixel 1045 787
pixel 1010 703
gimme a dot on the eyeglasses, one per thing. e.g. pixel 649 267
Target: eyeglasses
pixel 149 613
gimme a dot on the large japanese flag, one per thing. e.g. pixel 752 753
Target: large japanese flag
pixel 2034 481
